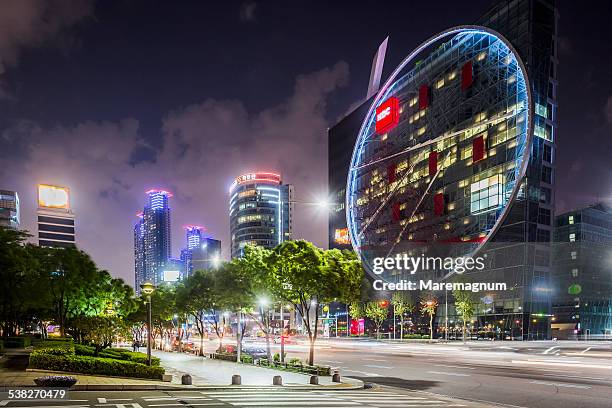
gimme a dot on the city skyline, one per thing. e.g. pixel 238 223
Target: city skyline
pixel 114 145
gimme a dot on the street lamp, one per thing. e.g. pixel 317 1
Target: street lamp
pixel 148 288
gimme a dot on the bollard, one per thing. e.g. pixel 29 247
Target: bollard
pixel 277 380
pixel 336 377
pixel 186 379
pixel 236 379
pixel 314 379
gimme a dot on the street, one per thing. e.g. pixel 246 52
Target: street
pixel 529 374
pixel 261 397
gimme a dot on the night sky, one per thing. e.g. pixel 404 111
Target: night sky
pixel 112 98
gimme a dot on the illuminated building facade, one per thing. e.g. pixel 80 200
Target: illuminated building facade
pixel 9 209
pixel 582 281
pixel 456 157
pixel 201 253
pixel 261 208
pixel 55 218
pixel 152 245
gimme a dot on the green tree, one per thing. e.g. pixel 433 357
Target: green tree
pixel 377 311
pixel 306 276
pixel 100 331
pixel 429 304
pixel 465 302
pixel 402 302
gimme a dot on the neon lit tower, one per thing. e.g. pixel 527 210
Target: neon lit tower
pixel 152 239
pixel 261 209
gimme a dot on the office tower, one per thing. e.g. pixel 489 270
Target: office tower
pixel 455 155
pixel 581 274
pixel 261 208
pixel 55 218
pixel 201 253
pixel 152 245
pixel 9 209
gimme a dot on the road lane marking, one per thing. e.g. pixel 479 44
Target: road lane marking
pixel 453 374
pixel 548 350
pixel 375 359
pixel 364 373
pixel 560 364
pixel 561 384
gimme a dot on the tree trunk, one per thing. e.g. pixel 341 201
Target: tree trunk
pixel 463 331
pixel 201 343
pixel 402 328
pixel 431 328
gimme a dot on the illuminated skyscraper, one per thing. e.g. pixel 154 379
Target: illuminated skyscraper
pixel 202 253
pixel 9 209
pixel 261 209
pixel 55 218
pixel 152 246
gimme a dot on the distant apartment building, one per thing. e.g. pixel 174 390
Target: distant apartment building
pixel 9 209
pixel 582 273
pixel 55 218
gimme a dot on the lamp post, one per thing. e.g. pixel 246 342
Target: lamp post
pixel 148 288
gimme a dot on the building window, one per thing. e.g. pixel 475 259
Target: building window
pixel 543 235
pixel 570 220
pixel 544 216
pixel 547 174
pixel 547 154
pixel 574 255
pixel 572 237
pixel 575 272
pixel 545 195
pixel 486 194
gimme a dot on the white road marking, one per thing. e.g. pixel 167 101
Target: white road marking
pixel 548 350
pixel 561 384
pixel 560 364
pixel 375 359
pixel 453 374
pixel 364 373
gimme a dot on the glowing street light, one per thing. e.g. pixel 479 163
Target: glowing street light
pixel 148 288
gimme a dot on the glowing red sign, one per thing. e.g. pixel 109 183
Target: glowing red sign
pixel 387 115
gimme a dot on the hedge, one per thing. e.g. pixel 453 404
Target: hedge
pixel 93 365
pixel 55 348
pixel 116 353
pixel 17 342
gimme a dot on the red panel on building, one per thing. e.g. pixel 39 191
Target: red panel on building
pixel 478 149
pixel 467 75
pixel 387 115
pixel 423 97
pixel 397 213
pixel 433 163
pixel 439 204
pixel 391 176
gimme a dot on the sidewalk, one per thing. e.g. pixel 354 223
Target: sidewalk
pixel 207 371
pixel 206 374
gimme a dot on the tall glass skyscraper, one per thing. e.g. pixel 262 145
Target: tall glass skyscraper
pixel 261 209
pixel 152 245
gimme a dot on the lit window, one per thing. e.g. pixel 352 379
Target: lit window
pixel 574 255
pixel 486 194
pixel 572 237
pixel 575 272
pixel 570 219
pixel 440 83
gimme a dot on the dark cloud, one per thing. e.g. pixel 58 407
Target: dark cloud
pixel 247 11
pixel 31 23
pixel 205 145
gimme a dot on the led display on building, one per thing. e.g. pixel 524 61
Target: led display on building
pixel 53 196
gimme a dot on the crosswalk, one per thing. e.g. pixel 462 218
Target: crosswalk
pixel 247 398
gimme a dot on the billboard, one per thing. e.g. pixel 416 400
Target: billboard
pixel 341 236
pixel 53 196
pixel 171 276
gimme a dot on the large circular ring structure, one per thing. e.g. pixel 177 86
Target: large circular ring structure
pixel 442 152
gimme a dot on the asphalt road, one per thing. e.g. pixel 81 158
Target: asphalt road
pixel 530 374
pixel 239 398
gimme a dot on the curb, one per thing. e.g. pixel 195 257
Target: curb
pixel 347 384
